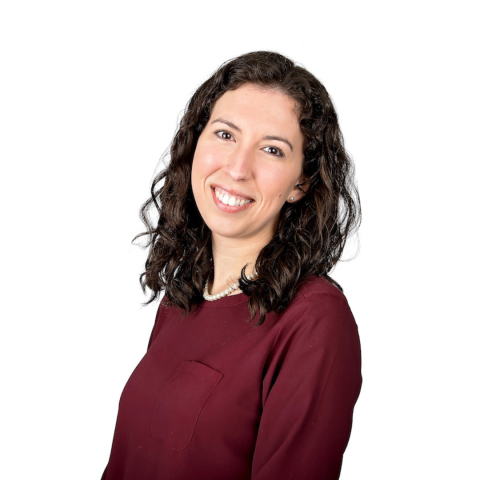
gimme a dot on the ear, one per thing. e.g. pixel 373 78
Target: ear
pixel 299 190
pixel 303 184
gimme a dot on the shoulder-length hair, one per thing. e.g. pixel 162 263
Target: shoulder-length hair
pixel 312 232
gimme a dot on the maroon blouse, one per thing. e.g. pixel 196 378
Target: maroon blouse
pixel 215 398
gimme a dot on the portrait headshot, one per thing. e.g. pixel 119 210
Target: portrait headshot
pixel 232 236
pixel 255 353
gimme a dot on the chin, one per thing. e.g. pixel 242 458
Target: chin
pixel 224 232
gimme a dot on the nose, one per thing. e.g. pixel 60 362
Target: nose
pixel 239 165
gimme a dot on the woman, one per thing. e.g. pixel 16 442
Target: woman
pixel 253 365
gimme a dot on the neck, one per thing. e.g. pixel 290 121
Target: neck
pixel 229 257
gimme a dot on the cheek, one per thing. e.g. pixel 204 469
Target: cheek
pixel 276 184
pixel 206 159
pixel 205 162
pixel 208 155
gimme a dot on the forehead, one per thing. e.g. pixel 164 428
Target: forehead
pixel 261 107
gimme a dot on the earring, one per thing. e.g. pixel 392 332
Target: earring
pixel 292 199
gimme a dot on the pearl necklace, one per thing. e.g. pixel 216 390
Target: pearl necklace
pixel 226 292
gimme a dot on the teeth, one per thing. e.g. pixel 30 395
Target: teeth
pixel 226 199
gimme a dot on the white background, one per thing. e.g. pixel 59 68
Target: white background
pixel 91 93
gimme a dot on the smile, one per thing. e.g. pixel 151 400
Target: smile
pixel 228 202
pixel 230 199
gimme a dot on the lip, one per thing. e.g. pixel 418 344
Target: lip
pixel 230 190
pixel 228 208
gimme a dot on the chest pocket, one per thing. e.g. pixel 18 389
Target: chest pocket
pixel 180 401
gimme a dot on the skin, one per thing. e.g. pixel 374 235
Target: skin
pixel 245 161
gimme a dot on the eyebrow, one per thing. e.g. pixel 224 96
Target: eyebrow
pixel 267 137
pixel 280 139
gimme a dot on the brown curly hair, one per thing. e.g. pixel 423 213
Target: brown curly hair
pixel 311 233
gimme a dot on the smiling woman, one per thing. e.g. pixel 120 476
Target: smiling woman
pixel 257 203
pixel 248 164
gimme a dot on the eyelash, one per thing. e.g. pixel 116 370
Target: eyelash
pixel 280 152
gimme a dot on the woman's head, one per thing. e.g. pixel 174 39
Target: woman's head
pixel 306 236
pixel 250 151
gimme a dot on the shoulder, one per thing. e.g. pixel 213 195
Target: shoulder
pixel 319 307
pixel 318 296
pixel 316 328
pixel 315 287
pixel 164 311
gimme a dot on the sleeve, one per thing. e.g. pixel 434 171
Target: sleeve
pixel 160 320
pixel 312 382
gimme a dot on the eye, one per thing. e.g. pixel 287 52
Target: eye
pixel 224 134
pixel 274 151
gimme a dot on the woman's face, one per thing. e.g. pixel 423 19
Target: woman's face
pixel 251 149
